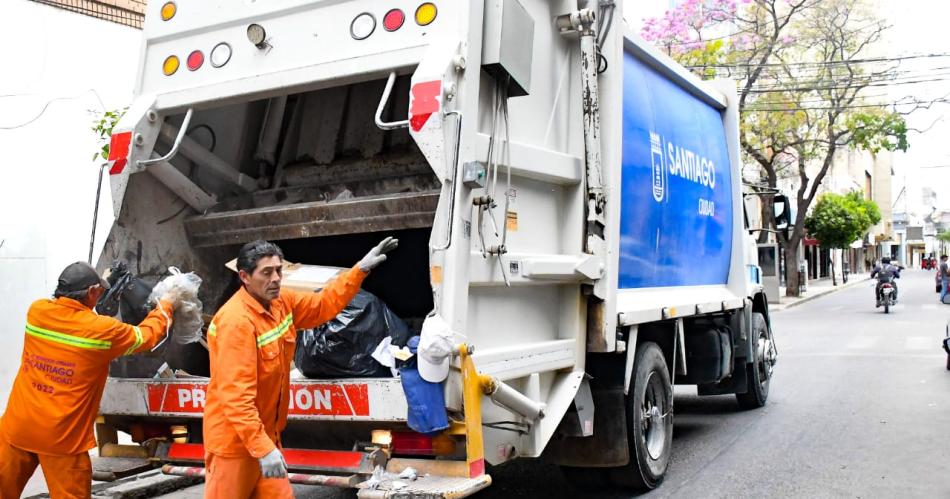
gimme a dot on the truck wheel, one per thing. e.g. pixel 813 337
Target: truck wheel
pixel 759 372
pixel 649 421
pixel 648 409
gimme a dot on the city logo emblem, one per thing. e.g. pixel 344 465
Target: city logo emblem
pixel 659 173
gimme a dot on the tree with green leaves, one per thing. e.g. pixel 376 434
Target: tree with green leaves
pixel 804 69
pixel 944 238
pixel 103 126
pixel 837 221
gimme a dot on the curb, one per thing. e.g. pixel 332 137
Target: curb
pixel 851 283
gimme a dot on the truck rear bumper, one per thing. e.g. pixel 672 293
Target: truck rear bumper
pixel 370 399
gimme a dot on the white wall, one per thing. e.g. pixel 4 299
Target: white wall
pixel 49 178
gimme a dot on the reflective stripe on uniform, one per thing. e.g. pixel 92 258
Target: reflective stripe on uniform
pixel 277 332
pixel 67 339
pixel 138 341
pixel 212 330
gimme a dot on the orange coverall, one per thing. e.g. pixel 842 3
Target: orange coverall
pixel 248 396
pixel 55 398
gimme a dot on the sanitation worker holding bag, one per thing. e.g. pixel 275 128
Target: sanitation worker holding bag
pixel 55 397
pixel 251 341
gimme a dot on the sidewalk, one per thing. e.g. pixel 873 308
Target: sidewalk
pixel 816 289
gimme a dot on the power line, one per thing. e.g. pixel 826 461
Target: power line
pixel 892 73
pixel 835 108
pixel 46 106
pixel 825 63
pixel 877 83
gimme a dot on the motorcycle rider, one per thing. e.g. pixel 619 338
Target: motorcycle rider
pixel 885 272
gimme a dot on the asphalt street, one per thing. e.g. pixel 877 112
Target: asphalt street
pixel 858 407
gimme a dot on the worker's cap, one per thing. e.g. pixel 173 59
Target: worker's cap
pixel 79 276
pixel 435 349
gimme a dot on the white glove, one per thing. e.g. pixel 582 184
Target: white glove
pixel 273 465
pixel 377 255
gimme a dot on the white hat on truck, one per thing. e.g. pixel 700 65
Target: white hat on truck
pixel 435 349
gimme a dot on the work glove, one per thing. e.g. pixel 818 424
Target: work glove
pixel 377 255
pixel 273 465
pixel 172 296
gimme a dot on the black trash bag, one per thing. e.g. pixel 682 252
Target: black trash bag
pixel 127 294
pixel 343 347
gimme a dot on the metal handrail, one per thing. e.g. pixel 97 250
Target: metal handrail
pixel 457 164
pixel 382 105
pixel 174 150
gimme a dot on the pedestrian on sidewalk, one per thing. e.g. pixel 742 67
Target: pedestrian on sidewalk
pixel 944 277
pixel 55 398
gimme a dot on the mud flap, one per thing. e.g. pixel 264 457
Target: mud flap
pixel 607 447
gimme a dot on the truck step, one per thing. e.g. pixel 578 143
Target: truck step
pixel 307 460
pixel 346 482
pixel 110 469
pixel 428 487
pixel 343 469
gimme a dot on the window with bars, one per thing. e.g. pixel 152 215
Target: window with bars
pixel 125 12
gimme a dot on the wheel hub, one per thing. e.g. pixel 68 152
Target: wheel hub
pixel 765 357
pixel 653 418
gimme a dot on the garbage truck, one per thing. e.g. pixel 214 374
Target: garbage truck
pixel 568 200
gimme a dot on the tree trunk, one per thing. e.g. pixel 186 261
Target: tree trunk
pixel 834 278
pixel 767 217
pixel 791 269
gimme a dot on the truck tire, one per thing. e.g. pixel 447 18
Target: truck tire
pixel 651 395
pixel 649 421
pixel 759 372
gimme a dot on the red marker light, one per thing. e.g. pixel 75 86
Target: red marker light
pixel 195 60
pixel 393 20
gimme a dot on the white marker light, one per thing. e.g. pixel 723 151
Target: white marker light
pixel 363 26
pixel 220 54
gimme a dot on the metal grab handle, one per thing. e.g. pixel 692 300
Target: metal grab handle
pixel 382 105
pixel 457 165
pixel 174 150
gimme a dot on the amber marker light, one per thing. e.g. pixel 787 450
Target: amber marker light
pixel 168 10
pixel 170 65
pixel 426 13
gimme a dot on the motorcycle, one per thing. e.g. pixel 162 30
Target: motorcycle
pixel 887 296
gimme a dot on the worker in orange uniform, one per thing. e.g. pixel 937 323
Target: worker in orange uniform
pixel 252 340
pixel 55 398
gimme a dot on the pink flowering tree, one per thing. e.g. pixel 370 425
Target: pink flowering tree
pixel 802 79
pixel 696 33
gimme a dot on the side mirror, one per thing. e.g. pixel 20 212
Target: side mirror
pixel 782 209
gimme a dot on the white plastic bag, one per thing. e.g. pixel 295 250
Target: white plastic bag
pixel 183 289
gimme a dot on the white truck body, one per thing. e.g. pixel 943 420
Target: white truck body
pixel 281 143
